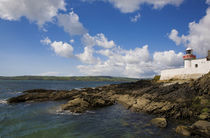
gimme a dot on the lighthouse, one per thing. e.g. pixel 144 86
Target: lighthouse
pixel 193 67
pixel 188 57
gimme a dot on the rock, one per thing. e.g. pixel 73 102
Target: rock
pixel 160 122
pixel 201 128
pixel 126 100
pixel 141 103
pixel 204 116
pixel 86 102
pixel 77 105
pixel 184 101
pixel 183 130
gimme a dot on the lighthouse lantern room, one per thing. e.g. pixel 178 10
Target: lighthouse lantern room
pixel 188 57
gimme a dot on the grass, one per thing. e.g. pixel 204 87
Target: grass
pixel 73 78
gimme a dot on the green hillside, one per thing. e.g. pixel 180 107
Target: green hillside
pixel 74 78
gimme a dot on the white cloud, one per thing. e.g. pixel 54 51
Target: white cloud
pixel 46 41
pixel 168 59
pixel 135 18
pixel 62 49
pixel 116 61
pixel 50 74
pixel 39 11
pixel 129 6
pixel 132 63
pixel 174 36
pixel 208 1
pixel 98 40
pixel 89 43
pixel 87 56
pixel 71 41
pixel 71 24
pixel 198 37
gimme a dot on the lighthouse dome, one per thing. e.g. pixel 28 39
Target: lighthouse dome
pixel 189 49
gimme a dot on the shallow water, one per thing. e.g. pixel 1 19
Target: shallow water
pixel 45 119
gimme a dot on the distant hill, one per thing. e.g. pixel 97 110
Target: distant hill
pixel 74 78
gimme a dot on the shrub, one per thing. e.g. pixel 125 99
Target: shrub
pixel 156 78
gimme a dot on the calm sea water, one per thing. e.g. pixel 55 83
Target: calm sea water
pixel 44 120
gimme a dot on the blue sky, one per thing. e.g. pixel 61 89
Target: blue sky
pixel 137 38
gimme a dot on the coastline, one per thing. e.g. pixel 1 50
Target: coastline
pixel 188 101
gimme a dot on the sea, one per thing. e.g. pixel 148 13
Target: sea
pixel 46 120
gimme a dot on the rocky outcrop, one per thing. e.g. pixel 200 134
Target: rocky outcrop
pixel 85 103
pixel 199 128
pixel 160 122
pixel 186 101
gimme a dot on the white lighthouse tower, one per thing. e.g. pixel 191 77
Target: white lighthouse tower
pixel 188 57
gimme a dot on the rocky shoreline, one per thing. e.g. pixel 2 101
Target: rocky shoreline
pixel 188 101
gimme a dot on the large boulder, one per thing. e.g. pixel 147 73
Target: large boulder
pixel 201 128
pixel 183 130
pixel 160 122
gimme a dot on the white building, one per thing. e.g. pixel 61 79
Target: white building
pixel 193 68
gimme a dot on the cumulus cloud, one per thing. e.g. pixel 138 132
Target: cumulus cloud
pixel 174 36
pixel 39 11
pixel 198 37
pixel 71 24
pixel 98 40
pixel 135 18
pixel 98 59
pixel 132 63
pixel 129 6
pixel 89 43
pixel 208 1
pixel 87 56
pixel 60 48
pixel 168 59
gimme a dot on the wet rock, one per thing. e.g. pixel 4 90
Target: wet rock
pixel 77 105
pixel 126 100
pixel 184 101
pixel 183 130
pixel 201 128
pixel 86 102
pixel 160 122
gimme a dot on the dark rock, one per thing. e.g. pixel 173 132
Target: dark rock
pixel 160 122
pixel 77 105
pixel 186 101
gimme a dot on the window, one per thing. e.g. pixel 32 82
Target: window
pixel 188 52
pixel 196 65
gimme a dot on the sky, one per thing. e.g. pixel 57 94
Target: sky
pixel 126 38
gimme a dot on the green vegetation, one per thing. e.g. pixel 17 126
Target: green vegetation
pixel 156 78
pixel 74 78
